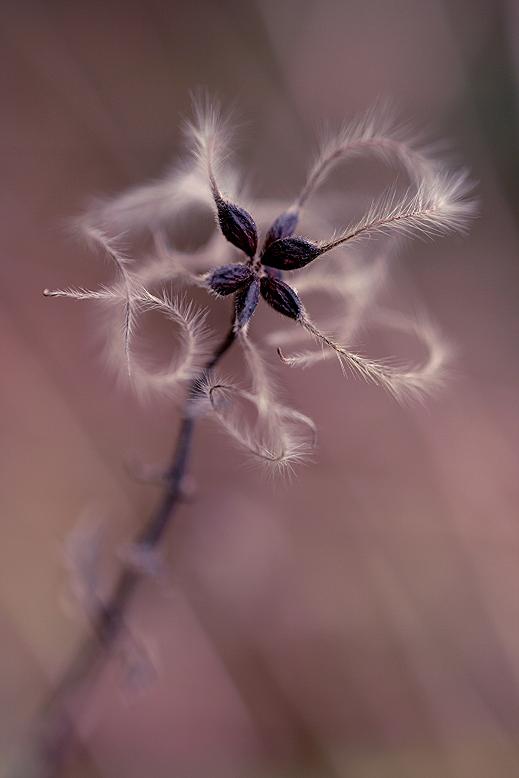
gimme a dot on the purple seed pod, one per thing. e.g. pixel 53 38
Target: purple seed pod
pixel 246 302
pixel 290 253
pixel 229 278
pixel 237 226
pixel 282 227
pixel 281 297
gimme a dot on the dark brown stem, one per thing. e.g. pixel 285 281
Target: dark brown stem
pixel 55 732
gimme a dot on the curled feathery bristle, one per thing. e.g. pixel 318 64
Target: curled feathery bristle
pixel 167 265
pixel 135 299
pixel 97 236
pixel 352 287
pixel 122 292
pixel 436 202
pixel 270 410
pixel 440 205
pixel 208 134
pixel 277 440
pixel 402 382
pixel 278 424
pixel 260 380
pixel 280 438
pixel 104 293
pixel 192 333
pixel 357 277
pixel 375 133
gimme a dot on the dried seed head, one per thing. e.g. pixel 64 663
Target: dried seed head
pixel 436 202
pixel 281 297
pixel 246 302
pixel 229 278
pixel 290 253
pixel 282 227
pixel 237 225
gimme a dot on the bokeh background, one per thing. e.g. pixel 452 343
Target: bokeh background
pixel 364 619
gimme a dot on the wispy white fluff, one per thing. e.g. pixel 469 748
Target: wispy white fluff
pixel 414 381
pixel 153 205
pixel 351 288
pixel 104 293
pixel 260 379
pixel 208 135
pixel 442 204
pixel 122 292
pixel 135 299
pixel 375 133
pixel 121 261
pixel 437 202
pixel 193 335
pixel 167 265
pixel 271 413
pixel 354 278
pixel 277 440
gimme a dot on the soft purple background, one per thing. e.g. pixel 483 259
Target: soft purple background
pixel 364 620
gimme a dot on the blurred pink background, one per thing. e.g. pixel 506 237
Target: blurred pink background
pixel 364 619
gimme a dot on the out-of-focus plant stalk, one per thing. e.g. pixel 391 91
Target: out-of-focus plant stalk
pixel 55 730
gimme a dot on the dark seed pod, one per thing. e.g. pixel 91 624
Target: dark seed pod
pixel 246 302
pixel 229 278
pixel 281 297
pixel 282 227
pixel 290 253
pixel 237 226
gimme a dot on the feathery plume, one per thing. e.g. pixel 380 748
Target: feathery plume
pixel 411 382
pixel 375 133
pixel 437 202
pixel 276 440
pixel 274 434
pixel 194 336
pixel 439 206
pixel 151 206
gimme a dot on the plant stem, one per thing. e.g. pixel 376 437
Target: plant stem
pixel 55 734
